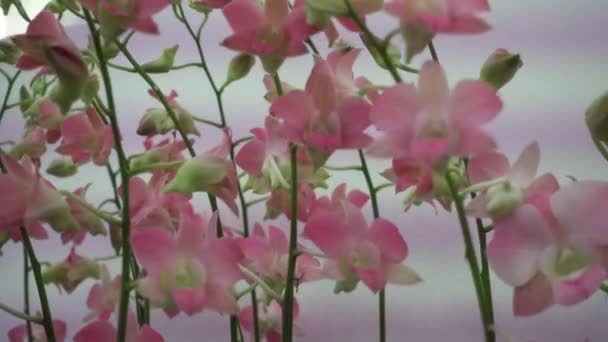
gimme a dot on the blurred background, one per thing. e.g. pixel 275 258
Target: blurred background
pixel 565 55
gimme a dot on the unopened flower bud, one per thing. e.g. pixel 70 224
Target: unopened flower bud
pixel 503 199
pixel 62 167
pixel 199 7
pixel 597 118
pixel 155 121
pixel 25 99
pixel 417 37
pixel 9 52
pixel 162 64
pixel 197 175
pixel 239 67
pixel 90 90
pixel 71 272
pixel 499 68
pixel 33 145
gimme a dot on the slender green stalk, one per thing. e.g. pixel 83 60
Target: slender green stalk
pixel 9 89
pixel 255 278
pixel 485 280
pixel 47 318
pixel 433 52
pixel 293 245
pixel 376 213
pixel 109 219
pixel 175 67
pixel 470 254
pixel 343 168
pixel 19 314
pixel 124 175
pixel 26 294
pixel 378 45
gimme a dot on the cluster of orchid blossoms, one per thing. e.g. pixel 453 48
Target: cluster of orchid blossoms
pixel 546 240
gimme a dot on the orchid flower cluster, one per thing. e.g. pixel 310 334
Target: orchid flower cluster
pixel 546 239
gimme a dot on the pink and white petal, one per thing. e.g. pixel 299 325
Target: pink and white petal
pixel 388 239
pixel 221 300
pixel 525 167
pixel 464 25
pixel 574 291
pixel 474 141
pixel 98 331
pixel 433 88
pixel 244 15
pixel 461 7
pixel 400 274
pixel 517 245
pixel 147 8
pixel 246 318
pixel 278 239
pixel 327 232
pixel 373 278
pixel 296 108
pixel 190 301
pixel 147 334
pixel 474 103
pixel 251 157
pixel 487 166
pixel 533 297
pixel 396 104
pixel 357 197
pixel 321 86
pixel 154 247
pixel 477 206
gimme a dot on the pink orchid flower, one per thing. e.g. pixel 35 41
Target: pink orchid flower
pixel 68 274
pixel 338 197
pixel 322 116
pixel 443 16
pixel 434 123
pixel 104 331
pixel 279 202
pixel 150 205
pixel 268 256
pixel 85 136
pixel 356 251
pixel 135 14
pixel 46 45
pixel 103 296
pixel 551 264
pixel 89 223
pixel 33 145
pixel 270 320
pixel 212 172
pixel 512 185
pixel 27 199
pixel 189 271
pixel 273 29
pixel 19 333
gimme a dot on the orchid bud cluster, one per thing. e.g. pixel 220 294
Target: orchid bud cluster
pixel 546 239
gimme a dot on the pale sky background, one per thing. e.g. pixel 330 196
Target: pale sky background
pixel 565 58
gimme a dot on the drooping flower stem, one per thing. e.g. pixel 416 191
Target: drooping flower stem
pixel 18 314
pixel 47 318
pixel 293 245
pixel 470 254
pixel 124 175
pixel 377 45
pixel 26 293
pixel 433 52
pixel 9 89
pixel 376 213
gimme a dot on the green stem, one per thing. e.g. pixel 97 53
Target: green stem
pixel 376 213
pixel 469 253
pixel 256 279
pixel 433 52
pixel 26 293
pixel 47 318
pixel 176 67
pixel 377 45
pixel 9 89
pixel 206 122
pixel 293 245
pixel 256 201
pixel 114 185
pixel 93 210
pixel 343 168
pixel 19 314
pixel 124 175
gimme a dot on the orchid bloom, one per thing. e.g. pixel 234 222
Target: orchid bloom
pixel 431 123
pixel 514 185
pixel 104 296
pixel 19 333
pixel 188 271
pixel 322 116
pixel 33 145
pixel 442 16
pixel 27 199
pixel 104 331
pixel 46 45
pixel 556 256
pixel 68 274
pixel 85 136
pixel 356 251
pixel 115 17
pixel 268 256
pixel 150 205
pixel 279 202
pixel 89 223
pixel 270 320
pixel 164 151
pixel 273 32
pixel 210 172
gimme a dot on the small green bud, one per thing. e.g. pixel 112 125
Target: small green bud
pixel 199 7
pixel 597 118
pixel 197 175
pixel 500 68
pixel 5 5
pixel 503 199
pixel 56 7
pixel 162 64
pixel 9 52
pixel 90 90
pixel 417 37
pixel 25 99
pixel 239 67
pixel 39 86
pixel 62 167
